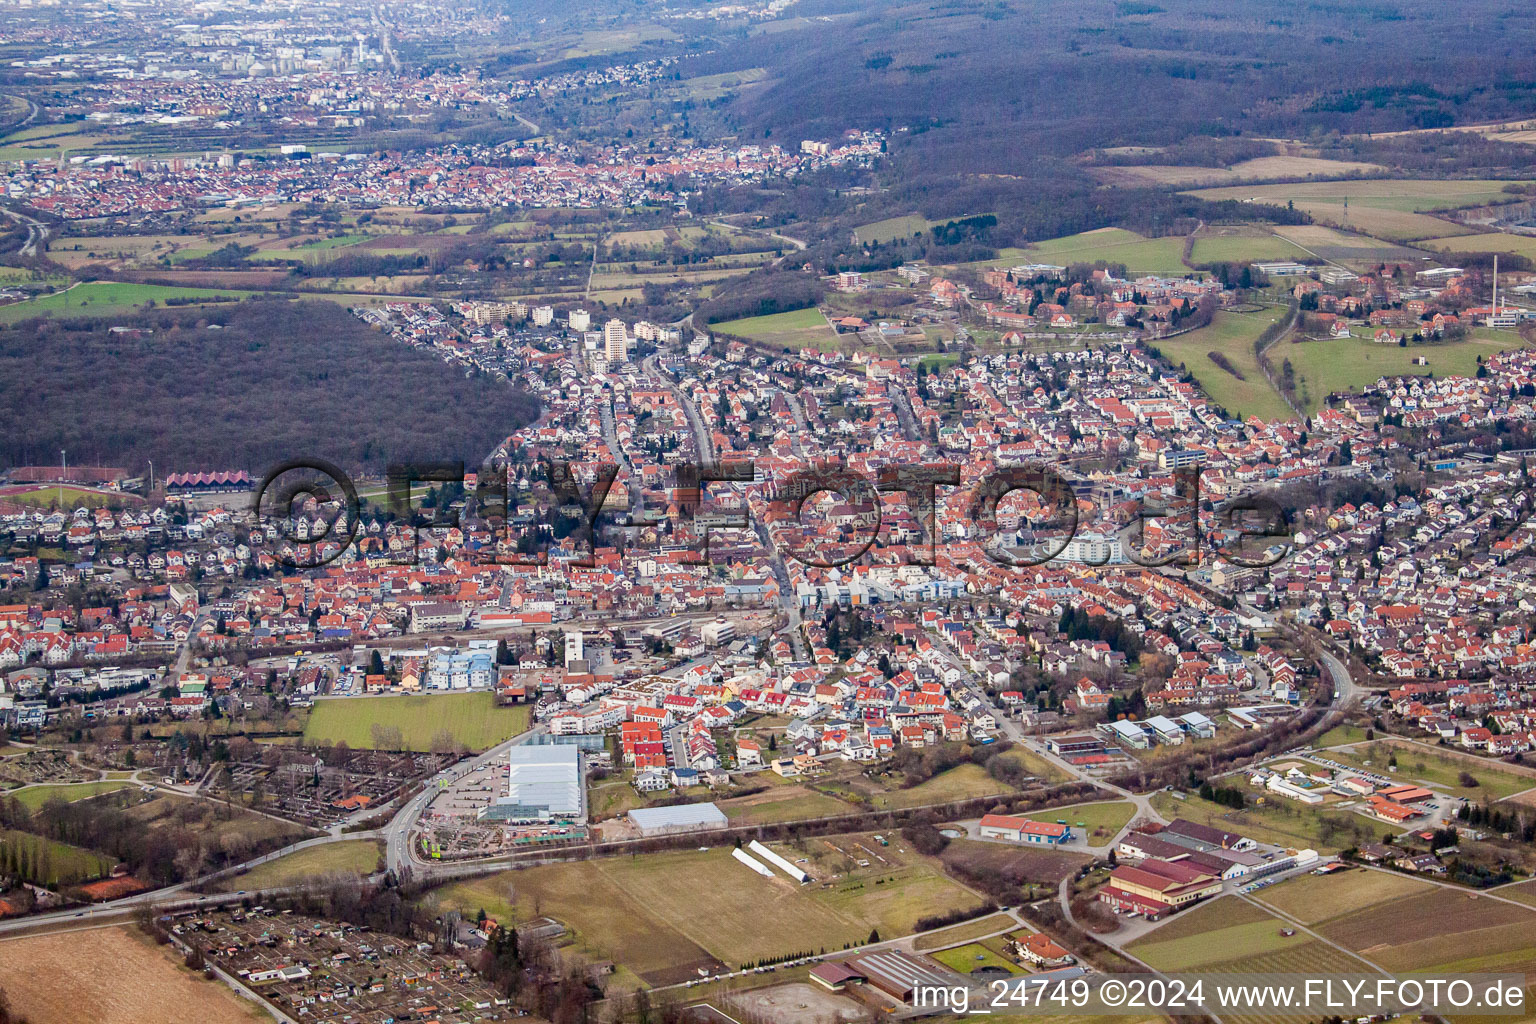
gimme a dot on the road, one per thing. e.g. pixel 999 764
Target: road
pixel 37 232
pixel 399 847
pixel 702 442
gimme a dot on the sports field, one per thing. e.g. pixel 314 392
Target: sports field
pixel 44 496
pixel 107 297
pixel 661 915
pixel 471 719
pixel 350 857
pixel 1232 335
pixel 800 328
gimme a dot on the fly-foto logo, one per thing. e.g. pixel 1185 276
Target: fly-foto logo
pixel 310 511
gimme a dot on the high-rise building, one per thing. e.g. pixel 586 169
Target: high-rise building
pixel 615 341
pixel 580 320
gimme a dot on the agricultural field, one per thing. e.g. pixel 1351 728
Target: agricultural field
pixel 1256 169
pixel 59 979
pixel 1498 241
pixel 1440 771
pixel 800 328
pixel 661 915
pixel 1219 930
pixel 1394 209
pixel 1242 246
pixel 1325 367
pixel 966 932
pixel 34 797
pixel 1314 899
pixel 1112 245
pixel 1232 335
pixel 1453 930
pixel 106 297
pixel 1337 246
pixel 50 141
pixel 470 719
pixel 350 857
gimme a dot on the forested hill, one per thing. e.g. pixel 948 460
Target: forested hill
pixel 992 86
pixel 241 387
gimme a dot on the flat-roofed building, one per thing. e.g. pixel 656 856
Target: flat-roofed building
pixel 660 821
pixel 544 784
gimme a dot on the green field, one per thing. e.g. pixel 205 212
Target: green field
pixel 472 719
pixel 1237 248
pixel 1324 367
pixel 963 782
pixel 56 863
pixel 1524 245
pixel 1313 899
pixel 1283 824
pixel 1113 245
pixel 892 228
pixel 36 796
pixel 64 497
pixel 1222 929
pixel 1339 735
pixel 1099 821
pixel 1440 929
pixel 661 914
pixel 105 297
pixel 967 958
pixel 349 857
pixel 1233 335
pixel 800 328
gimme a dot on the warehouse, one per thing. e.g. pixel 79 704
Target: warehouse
pixel 1023 830
pixel 899 975
pixel 661 821
pixel 545 784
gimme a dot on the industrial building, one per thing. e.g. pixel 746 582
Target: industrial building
pixel 661 821
pixel 1023 830
pixel 544 784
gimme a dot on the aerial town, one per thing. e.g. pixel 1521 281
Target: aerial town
pixel 495 525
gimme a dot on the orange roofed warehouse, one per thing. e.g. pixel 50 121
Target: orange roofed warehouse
pixel 1157 887
pixel 1023 830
